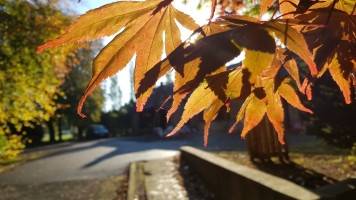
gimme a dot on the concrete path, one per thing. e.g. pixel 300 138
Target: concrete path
pixel 107 157
pixel 161 181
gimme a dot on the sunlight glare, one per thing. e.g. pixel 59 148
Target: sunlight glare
pixel 193 38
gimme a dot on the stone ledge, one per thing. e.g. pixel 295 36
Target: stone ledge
pixel 232 181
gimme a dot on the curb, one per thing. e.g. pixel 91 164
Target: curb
pixel 155 180
pixel 136 184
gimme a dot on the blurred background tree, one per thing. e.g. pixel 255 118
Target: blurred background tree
pixel 333 120
pixel 75 83
pixel 119 121
pixel 29 82
pixel 115 94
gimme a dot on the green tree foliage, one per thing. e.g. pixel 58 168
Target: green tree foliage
pixel 333 119
pixel 29 83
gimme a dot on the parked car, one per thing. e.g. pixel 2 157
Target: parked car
pixel 97 131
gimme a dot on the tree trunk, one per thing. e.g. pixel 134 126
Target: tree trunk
pixel 262 143
pixel 60 128
pixel 80 132
pixel 52 137
pixel 287 121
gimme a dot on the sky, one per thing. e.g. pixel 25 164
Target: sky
pixel 200 16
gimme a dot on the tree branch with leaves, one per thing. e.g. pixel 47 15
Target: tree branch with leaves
pixel 321 33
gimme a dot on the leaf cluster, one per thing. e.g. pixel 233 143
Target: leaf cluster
pixel 321 33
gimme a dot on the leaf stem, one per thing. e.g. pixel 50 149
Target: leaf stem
pixel 329 15
pixel 213 6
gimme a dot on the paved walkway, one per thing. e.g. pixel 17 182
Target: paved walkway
pixel 166 179
pixel 161 181
pixel 156 180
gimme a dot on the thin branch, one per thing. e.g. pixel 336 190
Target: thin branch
pixel 287 1
pixel 353 10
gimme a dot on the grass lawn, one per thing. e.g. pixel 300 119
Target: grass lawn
pixel 65 137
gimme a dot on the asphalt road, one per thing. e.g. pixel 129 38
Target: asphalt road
pixel 107 157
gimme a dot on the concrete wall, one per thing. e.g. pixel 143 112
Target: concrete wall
pixel 232 181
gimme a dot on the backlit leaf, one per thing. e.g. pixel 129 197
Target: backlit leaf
pixel 199 100
pixel 343 5
pixel 238 84
pixel 285 58
pixel 241 113
pixel 193 61
pixel 213 93
pixel 294 42
pixel 292 68
pixel 265 4
pixel 288 93
pixel 209 115
pixel 190 70
pixel 333 45
pixel 342 79
pixel 275 110
pixel 148 50
pixel 256 62
pixel 103 21
pixel 254 113
pixel 144 24
pixel 287 7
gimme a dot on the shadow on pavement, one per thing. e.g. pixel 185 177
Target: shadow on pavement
pixel 126 145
